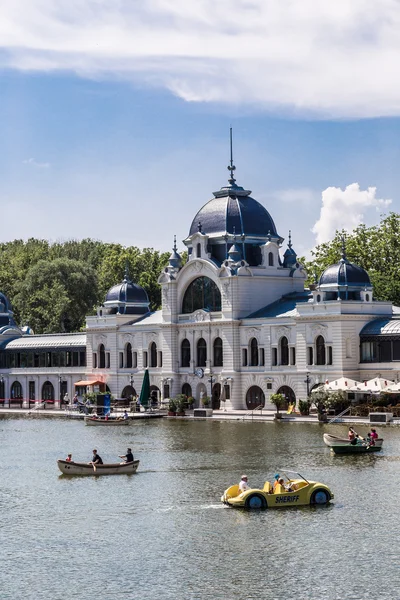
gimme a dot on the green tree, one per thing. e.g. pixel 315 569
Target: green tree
pixel 57 295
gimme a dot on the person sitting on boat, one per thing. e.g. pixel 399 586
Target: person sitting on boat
pixel 244 484
pixel 351 434
pixel 96 460
pixel 276 482
pixel 128 456
pixel 69 458
pixel 373 434
pixel 125 415
pixel 370 440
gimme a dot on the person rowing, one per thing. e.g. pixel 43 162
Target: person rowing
pixel 128 456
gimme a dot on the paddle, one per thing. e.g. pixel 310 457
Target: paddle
pixel 94 467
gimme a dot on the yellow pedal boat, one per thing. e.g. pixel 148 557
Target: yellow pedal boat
pixel 297 491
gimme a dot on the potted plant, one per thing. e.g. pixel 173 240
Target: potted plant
pixel 279 401
pixel 190 402
pixel 205 401
pixel 180 402
pixel 304 407
pixel 172 408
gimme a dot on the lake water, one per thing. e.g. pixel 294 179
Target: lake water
pixel 163 532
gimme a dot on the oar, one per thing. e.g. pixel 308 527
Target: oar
pixel 94 467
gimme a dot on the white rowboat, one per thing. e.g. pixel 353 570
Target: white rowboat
pixel 108 422
pixel 75 468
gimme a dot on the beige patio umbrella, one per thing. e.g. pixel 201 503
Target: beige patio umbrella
pixel 373 386
pixel 395 388
pixel 342 384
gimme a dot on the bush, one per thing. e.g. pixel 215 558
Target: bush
pixel 278 400
pixel 304 407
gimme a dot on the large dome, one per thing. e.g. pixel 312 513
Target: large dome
pixel 233 211
pixel 345 273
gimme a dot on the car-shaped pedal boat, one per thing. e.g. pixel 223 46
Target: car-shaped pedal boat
pixel 296 491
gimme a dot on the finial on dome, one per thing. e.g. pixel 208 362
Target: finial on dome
pixel 231 166
pixel 269 235
pixel 199 227
pixel 126 274
pixel 343 254
pixel 290 239
pixel 174 248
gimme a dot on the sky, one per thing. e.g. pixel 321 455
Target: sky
pixel 115 115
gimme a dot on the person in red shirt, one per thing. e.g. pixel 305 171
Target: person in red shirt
pixel 373 434
pixel 69 458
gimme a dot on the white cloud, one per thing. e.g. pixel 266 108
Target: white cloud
pixel 326 59
pixel 35 163
pixel 344 209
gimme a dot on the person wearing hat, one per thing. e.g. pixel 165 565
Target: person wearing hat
pixel 276 481
pixel 244 485
pixel 128 457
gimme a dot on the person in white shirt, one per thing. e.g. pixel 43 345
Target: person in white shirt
pixel 244 485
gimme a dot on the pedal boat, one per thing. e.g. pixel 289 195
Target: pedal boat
pixel 76 468
pixel 101 421
pixel 304 493
pixel 333 440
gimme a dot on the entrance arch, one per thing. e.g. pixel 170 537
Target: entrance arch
pixel 128 392
pixel 155 395
pixel 255 397
pixel 216 396
pixel 187 390
pixel 47 391
pixel 289 394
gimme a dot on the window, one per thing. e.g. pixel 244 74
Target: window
pixel 284 348
pixel 31 387
pixel 396 350
pixel 159 362
pixel 318 298
pixel 330 357
pixel 108 360
pixel 185 353
pixel 186 390
pixel 202 293
pixel 102 357
pixel 367 297
pixel 47 391
pixel 320 350
pixel 145 359
pixel 274 357
pixel 368 352
pixel 244 357
pixel 218 352
pixel 253 352
pixel 255 397
pixel 270 259
pixel 310 356
pixel 385 351
pixel 121 360
pixel 153 354
pixel 94 361
pixel 262 357
pixel 198 251
pixel 128 356
pixel 227 392
pixel 293 356
pixel 16 391
pixel 134 360
pixel 201 352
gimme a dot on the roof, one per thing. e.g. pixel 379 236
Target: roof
pixel 284 307
pixel 388 326
pixel 345 273
pixel 128 292
pixel 58 340
pixel 88 382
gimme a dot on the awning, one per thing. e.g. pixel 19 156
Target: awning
pixel 81 383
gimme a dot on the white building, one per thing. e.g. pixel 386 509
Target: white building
pixel 236 321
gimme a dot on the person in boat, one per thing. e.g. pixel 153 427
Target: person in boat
pixel 125 415
pixel 244 484
pixel 351 434
pixel 96 460
pixel 69 458
pixel 276 481
pixel 373 434
pixel 370 440
pixel 128 457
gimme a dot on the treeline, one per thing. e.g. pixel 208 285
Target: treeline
pixel 376 249
pixel 52 287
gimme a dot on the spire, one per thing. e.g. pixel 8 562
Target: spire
pixel 126 274
pixel 174 248
pixel 175 260
pixel 290 239
pixel 343 253
pixel 231 166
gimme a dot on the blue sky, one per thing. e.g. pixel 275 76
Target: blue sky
pixel 125 144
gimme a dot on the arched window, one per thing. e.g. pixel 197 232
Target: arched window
pixel 128 356
pixel 202 293
pixel 185 353
pixel 153 354
pixel 187 390
pixel 284 351
pixel 16 390
pixel 289 394
pixel 254 353
pixel 198 250
pixel 128 392
pixel 218 352
pixel 102 357
pixel 201 352
pixel 255 397
pixel 47 391
pixel 270 259
pixel 320 350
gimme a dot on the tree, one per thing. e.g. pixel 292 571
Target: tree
pixel 279 401
pixel 376 249
pixel 57 295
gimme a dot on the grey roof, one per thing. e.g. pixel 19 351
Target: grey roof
pixel 345 273
pixel 41 342
pixel 234 211
pixel 131 294
pixel 284 307
pixel 386 326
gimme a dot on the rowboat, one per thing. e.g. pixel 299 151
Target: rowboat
pixel 363 448
pixel 332 441
pixel 106 422
pixel 76 468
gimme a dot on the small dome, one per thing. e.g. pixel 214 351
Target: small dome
pixel 127 298
pixel 345 273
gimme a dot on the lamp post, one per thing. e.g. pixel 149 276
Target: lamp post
pixel 211 381
pixel 308 381
pixel 59 389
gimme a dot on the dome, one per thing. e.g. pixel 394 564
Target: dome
pixel 5 305
pixel 233 211
pixel 127 298
pixel 345 273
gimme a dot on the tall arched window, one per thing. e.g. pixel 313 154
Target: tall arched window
pixel 218 352
pixel 270 259
pixel 254 353
pixel 198 250
pixel 128 356
pixel 202 293
pixel 255 397
pixel 102 357
pixel 185 353
pixel 47 391
pixel 320 350
pixel 284 351
pixel 153 354
pixel 16 390
pixel 201 352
